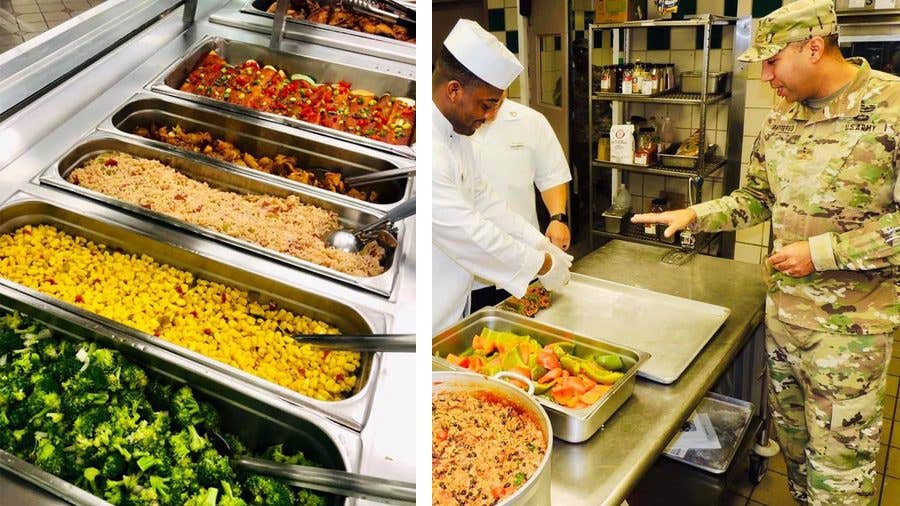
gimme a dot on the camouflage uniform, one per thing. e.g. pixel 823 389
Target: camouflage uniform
pixel 828 177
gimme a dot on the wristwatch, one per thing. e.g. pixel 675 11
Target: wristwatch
pixel 560 217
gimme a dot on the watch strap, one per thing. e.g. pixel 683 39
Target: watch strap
pixel 560 217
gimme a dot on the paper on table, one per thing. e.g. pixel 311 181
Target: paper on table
pixel 885 4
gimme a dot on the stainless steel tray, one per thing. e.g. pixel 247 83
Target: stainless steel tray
pixel 23 209
pixel 236 52
pixel 343 37
pixel 351 215
pixel 672 328
pixel 668 158
pixel 244 411
pixel 572 425
pixel 730 419
pixel 261 138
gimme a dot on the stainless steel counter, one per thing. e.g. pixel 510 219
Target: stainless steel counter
pixel 43 130
pixel 605 468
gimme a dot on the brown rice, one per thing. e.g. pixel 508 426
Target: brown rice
pixel 483 448
pixel 283 224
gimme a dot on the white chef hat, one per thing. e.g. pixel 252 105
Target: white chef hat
pixel 482 54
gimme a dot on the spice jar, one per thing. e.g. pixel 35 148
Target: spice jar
pixel 606 79
pixel 603 149
pixel 655 82
pixel 646 151
pixel 657 205
pixel 627 80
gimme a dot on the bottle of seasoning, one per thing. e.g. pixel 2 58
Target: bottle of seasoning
pixel 637 78
pixel 670 76
pixel 606 79
pixel 645 154
pixel 603 148
pixel 627 80
pixel 655 82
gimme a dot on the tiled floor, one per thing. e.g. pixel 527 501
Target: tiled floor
pixel 21 20
pixel 773 491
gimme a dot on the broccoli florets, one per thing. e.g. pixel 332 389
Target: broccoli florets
pixel 236 445
pixel 206 497
pixel 185 408
pixel 305 497
pixel 267 491
pixel 159 394
pixel 114 465
pixel 276 453
pixel 133 377
pixel 10 340
pixel 213 469
pixel 231 495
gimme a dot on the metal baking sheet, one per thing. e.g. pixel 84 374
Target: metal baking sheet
pixel 572 425
pixel 244 412
pixel 673 329
pixel 730 418
pixel 23 209
pixel 235 52
pixel 350 214
pixel 261 138
pixel 340 37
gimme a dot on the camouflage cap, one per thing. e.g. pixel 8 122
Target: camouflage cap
pixel 795 21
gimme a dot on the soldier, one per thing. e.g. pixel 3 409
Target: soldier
pixel 824 168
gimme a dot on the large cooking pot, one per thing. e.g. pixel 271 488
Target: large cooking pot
pixel 535 491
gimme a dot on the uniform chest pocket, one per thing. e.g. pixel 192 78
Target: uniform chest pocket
pixel 866 176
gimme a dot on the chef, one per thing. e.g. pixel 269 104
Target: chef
pixel 517 150
pixel 474 233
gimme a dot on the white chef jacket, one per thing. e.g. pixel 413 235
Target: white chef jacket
pixel 473 232
pixel 517 151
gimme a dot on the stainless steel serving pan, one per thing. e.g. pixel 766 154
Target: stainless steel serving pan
pixel 351 214
pixel 572 425
pixel 236 52
pixel 339 37
pixel 245 411
pixel 261 138
pixel 23 209
pixel 537 489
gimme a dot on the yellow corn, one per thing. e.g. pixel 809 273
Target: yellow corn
pixel 218 321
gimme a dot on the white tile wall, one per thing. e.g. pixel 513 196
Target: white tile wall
pixel 754 117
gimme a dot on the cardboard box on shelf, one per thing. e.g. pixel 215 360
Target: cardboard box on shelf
pixel 617 11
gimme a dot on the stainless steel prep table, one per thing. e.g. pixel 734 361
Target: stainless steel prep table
pixel 605 468
pixel 42 130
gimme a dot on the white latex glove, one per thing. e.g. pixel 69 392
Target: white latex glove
pixel 558 275
pixel 557 253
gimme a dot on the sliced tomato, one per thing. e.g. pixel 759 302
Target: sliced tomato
pixel 551 375
pixel 548 359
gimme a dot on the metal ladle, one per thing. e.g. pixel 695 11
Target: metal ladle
pixel 324 480
pixel 350 241
pixel 398 343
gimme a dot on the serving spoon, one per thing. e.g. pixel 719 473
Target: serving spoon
pixel 398 343
pixel 351 241
pixel 324 480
